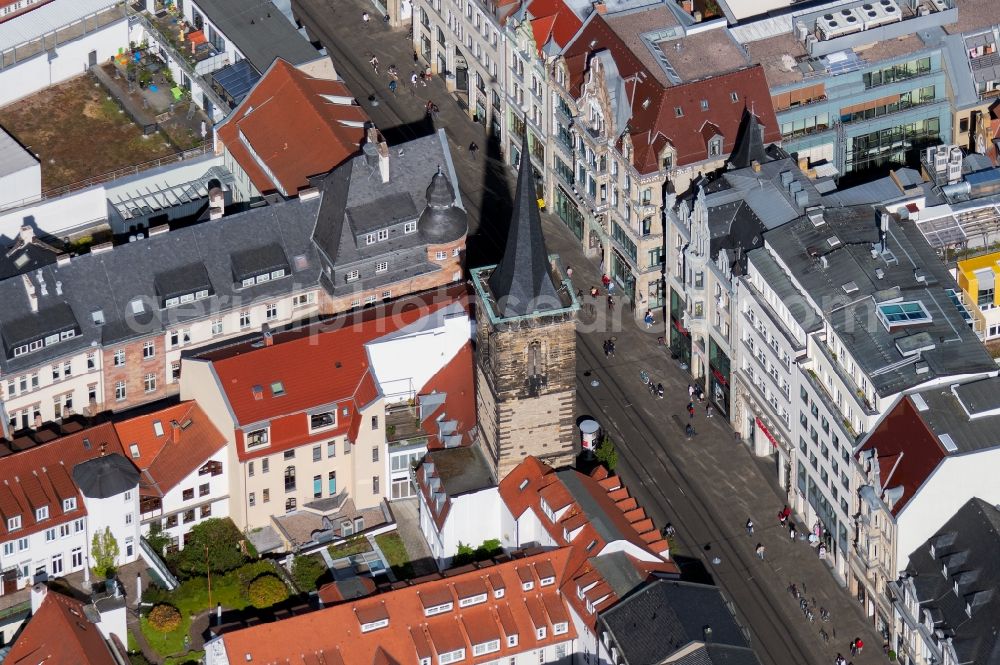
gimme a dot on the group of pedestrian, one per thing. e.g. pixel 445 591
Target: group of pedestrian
pixel 857 645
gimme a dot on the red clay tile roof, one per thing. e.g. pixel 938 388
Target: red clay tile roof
pixel 531 481
pixel 164 462
pixel 908 452
pixel 297 125
pixel 552 19
pixel 456 381
pixel 656 123
pixel 330 594
pixel 42 476
pixel 410 635
pixel 60 633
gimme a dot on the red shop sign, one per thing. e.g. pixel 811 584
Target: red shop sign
pixel 718 376
pixel 763 429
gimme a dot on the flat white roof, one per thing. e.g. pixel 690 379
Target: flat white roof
pixel 13 157
pixel 43 20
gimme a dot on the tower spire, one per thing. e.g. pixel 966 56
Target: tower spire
pixel 522 282
pixel 749 144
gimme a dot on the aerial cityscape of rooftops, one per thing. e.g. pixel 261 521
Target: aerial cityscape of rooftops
pixel 499 332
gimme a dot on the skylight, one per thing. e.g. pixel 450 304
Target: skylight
pixel 277 389
pixel 908 313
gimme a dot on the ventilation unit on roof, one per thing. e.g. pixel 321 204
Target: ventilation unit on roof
pixel 948 443
pixel 850 287
pixel 838 24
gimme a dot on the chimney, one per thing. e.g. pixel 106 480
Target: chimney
pixel 104 449
pixel 29 287
pixel 38 593
pixel 101 248
pixel 308 193
pixel 27 234
pixel 175 432
pixel 268 335
pixel 600 7
pixel 62 259
pixel 216 203
pixel 58 288
pixel 42 286
pixel 381 148
pixel 157 230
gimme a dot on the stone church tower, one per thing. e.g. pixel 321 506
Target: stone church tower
pixel 526 344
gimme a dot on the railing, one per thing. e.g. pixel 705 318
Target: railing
pixel 24 607
pixel 156 563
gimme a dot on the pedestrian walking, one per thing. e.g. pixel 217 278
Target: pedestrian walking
pixel 607 348
pixel 659 390
pixel 612 343
pixel 840 660
pixel 611 303
pixel 749 527
pixel 594 292
pixel 392 86
pixel 690 408
pixel 783 515
pixel 691 392
pixel 473 149
pixel 416 58
pixel 708 409
pixel 791 530
pixel 413 82
pixel 760 551
pixel 856 646
pixel 385 19
pixel 569 272
pixel 373 61
pixel 605 280
pixel 688 430
pixel 648 319
pixel 611 287
pixel 365 18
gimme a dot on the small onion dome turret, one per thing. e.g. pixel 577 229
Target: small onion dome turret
pixel 442 222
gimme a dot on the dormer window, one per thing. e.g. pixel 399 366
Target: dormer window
pixel 438 609
pixel 259 265
pixel 69 504
pixel 322 420
pixel 512 640
pixel 183 285
pixel 560 628
pixel 715 147
pixel 540 633
pixel 374 625
pixel 41 513
pixel 527 586
pixel 472 600
pixel 547 581
pixel 547 509
pixel 14 523
pixel 256 438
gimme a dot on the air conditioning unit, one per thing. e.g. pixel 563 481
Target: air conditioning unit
pixel 801 31
pixel 838 24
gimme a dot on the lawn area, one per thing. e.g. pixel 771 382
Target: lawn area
pixel 395 551
pixel 353 546
pixel 78 132
pixel 191 598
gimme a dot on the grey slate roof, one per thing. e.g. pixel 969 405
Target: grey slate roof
pixel 967 545
pixel 522 283
pixel 356 201
pixel 618 571
pixel 601 521
pixel 441 221
pixel 106 476
pixel 215 255
pixel 776 278
pixel 947 409
pixel 843 281
pixel 259 31
pixel 749 146
pixel 654 623
pixel 110 281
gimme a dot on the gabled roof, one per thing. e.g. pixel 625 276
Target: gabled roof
pixel 907 452
pixel 552 20
pixel 163 461
pixel 971 536
pixel 667 617
pixel 654 121
pixel 454 402
pixel 292 126
pixel 42 477
pixel 590 512
pixel 60 632
pixel 409 634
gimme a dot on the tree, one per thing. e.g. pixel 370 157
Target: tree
pixel 464 555
pixel 306 571
pixel 266 590
pixel 607 454
pixel 489 549
pixel 164 618
pixel 213 545
pixel 157 539
pixel 104 554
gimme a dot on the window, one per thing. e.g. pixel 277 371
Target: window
pixel 217 327
pixel 317 453
pixel 374 453
pixel 250 469
pixel 440 256
pixel 128 518
pixel 271 312
pixel 277 389
pixel 244 320
pixel 374 422
pixel 289 479
pixel 381 266
pixel 289 454
pixel 148 349
pixel 290 505
pixel 331 448
pixel 375 484
pixel 445 658
pixel 317 487
pixel 438 609
pixel 540 633
pixel 370 239
pixel 265 465
pixel 331 483
pixel 50 535
pixel 512 640
pixel 149 383
pixel 560 628
pixel 69 504
pixel 188 516
pixel 187 494
pixel 256 438
pixel 203 489
pixel 22 544
pixel 472 600
pixel 64 530
pixel 252 499
pixel 410 227
pixel 42 513
pixel 322 420
pixel 266 495
pixel 77 526
pixel 8 548
pixel 485 648
pixel 119 359
pixel 120 392
pixel 353 275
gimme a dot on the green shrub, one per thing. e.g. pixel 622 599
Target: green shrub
pixel 266 590
pixel 214 544
pixel 489 549
pixel 247 573
pixel 164 618
pixel 306 571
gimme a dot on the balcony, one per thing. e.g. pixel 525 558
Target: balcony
pixel 402 425
pixel 863 404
